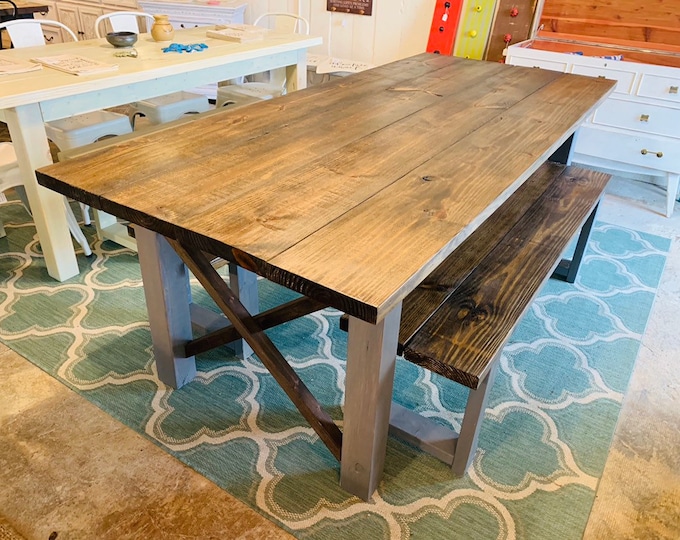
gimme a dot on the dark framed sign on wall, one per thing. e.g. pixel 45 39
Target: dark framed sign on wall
pixel 359 7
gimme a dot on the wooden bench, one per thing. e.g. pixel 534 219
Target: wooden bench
pixel 456 322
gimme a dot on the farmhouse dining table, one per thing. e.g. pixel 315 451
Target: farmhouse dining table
pixel 27 100
pixel 349 193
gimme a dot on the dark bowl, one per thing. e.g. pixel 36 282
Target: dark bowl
pixel 121 39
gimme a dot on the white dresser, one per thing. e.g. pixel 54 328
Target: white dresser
pixel 183 14
pixel 637 129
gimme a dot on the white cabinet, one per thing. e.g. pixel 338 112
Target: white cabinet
pixel 80 17
pixel 52 35
pixel 637 129
pixel 190 15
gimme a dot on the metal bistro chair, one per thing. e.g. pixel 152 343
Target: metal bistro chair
pixel 10 177
pixel 160 109
pixel 248 92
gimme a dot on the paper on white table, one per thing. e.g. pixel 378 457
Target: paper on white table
pixel 77 65
pixel 335 65
pixel 7 66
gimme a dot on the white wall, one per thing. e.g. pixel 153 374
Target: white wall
pixel 397 28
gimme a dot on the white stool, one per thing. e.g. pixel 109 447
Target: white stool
pixel 244 94
pixel 169 107
pixel 83 129
pixel 10 177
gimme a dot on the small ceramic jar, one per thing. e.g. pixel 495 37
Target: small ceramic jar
pixel 162 30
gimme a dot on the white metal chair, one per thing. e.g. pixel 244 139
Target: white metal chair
pixel 76 130
pixel 248 92
pixel 160 109
pixel 10 177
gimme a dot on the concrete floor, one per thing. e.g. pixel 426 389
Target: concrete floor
pixel 68 468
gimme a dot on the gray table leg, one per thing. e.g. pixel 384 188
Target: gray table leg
pixel 371 357
pixel 244 284
pixel 166 289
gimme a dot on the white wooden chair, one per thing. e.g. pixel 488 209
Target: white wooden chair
pixel 10 177
pixel 160 109
pixel 248 92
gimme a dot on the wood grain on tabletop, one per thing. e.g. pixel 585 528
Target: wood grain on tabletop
pixel 326 184
pixel 438 286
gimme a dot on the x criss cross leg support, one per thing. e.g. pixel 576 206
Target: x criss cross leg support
pixel 252 331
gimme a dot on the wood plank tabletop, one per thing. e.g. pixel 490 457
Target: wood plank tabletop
pixel 350 192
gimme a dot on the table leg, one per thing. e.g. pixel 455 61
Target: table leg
pixel 296 75
pixel 27 130
pixel 166 289
pixel 371 358
pixel 168 299
pixel 244 283
pixel 671 192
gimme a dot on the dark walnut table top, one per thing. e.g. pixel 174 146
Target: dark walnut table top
pixel 350 192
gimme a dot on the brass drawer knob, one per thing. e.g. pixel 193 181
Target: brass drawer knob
pixel 644 152
pixel 644 118
pixel 673 90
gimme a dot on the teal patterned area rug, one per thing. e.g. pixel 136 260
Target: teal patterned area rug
pixel 543 443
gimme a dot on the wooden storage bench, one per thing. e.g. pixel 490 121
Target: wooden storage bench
pixel 456 322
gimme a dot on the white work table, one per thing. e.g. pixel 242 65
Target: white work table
pixel 27 100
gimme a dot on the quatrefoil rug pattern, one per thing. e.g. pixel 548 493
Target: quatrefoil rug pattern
pixel 543 443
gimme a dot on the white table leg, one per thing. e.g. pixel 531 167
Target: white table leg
pixel 27 130
pixel 371 357
pixel 671 192
pixel 296 75
pixel 167 293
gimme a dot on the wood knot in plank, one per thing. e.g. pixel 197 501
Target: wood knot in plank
pixel 470 313
pixel 413 89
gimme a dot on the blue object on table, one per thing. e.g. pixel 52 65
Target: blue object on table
pixel 179 48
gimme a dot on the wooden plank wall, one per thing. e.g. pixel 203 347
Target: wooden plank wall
pixel 650 21
pixel 397 28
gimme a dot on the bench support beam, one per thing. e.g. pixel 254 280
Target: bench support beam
pixel 455 449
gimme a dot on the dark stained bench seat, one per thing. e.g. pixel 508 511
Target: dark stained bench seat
pixel 456 322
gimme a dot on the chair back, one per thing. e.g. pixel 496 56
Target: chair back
pixel 29 33
pixel 287 23
pixel 14 8
pixel 122 21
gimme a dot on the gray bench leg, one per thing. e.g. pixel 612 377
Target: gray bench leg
pixel 371 358
pixel 466 445
pixel 456 449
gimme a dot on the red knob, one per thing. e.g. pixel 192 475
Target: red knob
pixel 514 12
pixel 507 38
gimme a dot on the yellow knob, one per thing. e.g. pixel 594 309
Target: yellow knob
pixel 478 8
pixel 472 33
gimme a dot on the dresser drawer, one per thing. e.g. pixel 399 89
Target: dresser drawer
pixel 624 79
pixel 642 117
pixel 536 63
pixel 651 152
pixel 666 88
